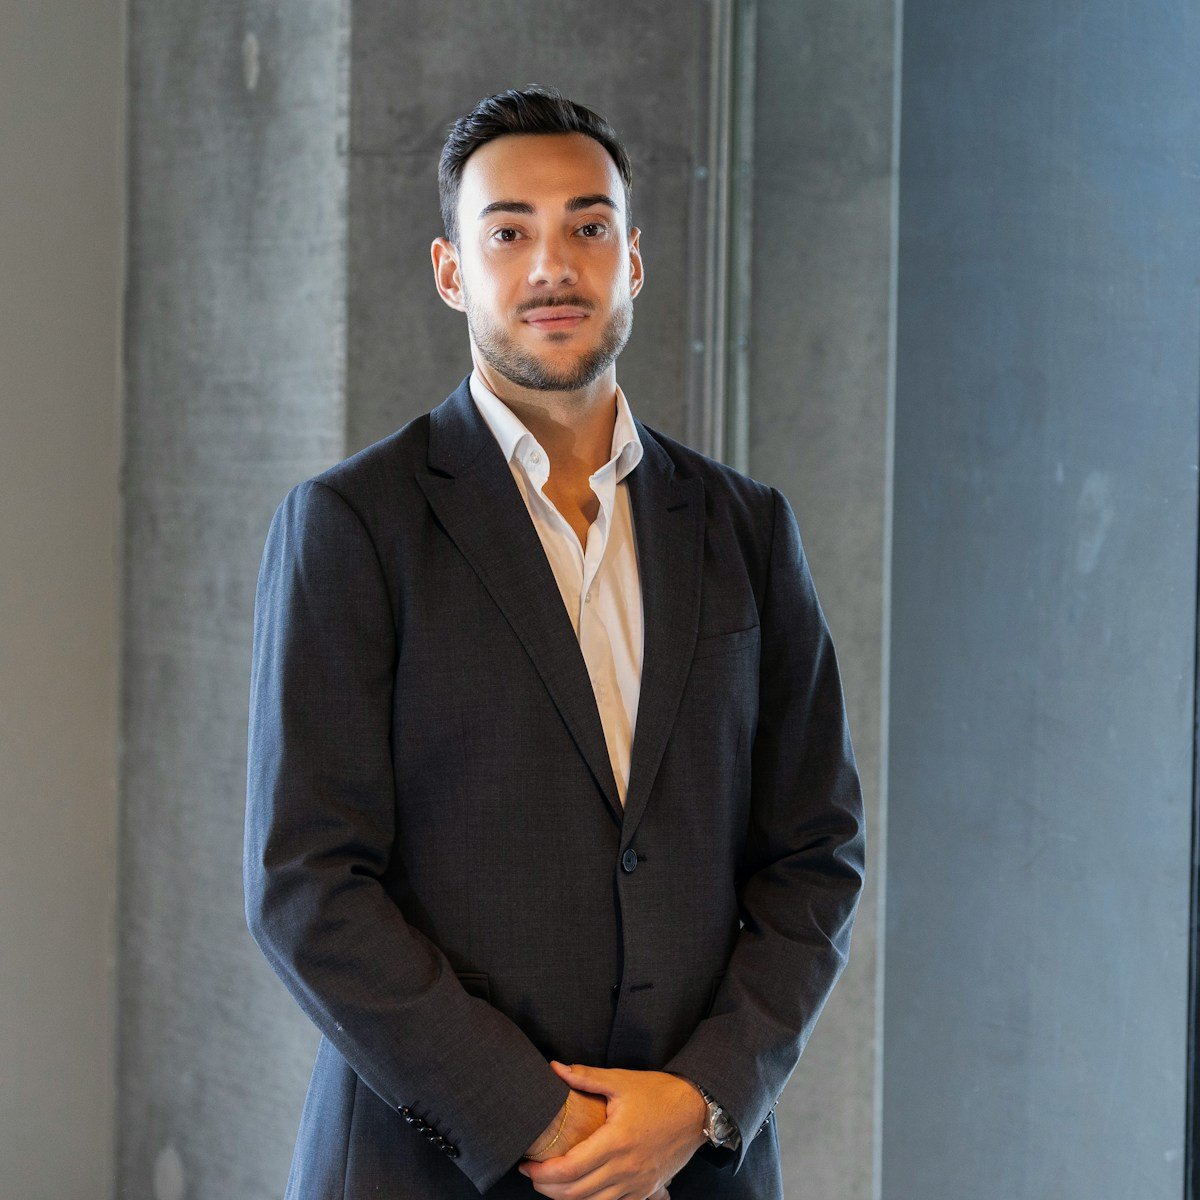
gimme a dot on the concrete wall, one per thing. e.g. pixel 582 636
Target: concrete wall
pixel 62 100
pixel 407 350
pixel 820 315
pixel 1044 603
pixel 1036 761
pixel 282 314
pixel 235 391
pixel 821 258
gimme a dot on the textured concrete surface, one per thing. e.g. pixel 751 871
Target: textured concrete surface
pixel 61 96
pixel 822 209
pixel 235 391
pixel 407 350
pixel 1044 604
pixel 283 314
pixel 818 430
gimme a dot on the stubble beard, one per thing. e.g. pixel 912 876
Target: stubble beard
pixel 504 354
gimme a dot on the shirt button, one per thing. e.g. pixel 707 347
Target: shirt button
pixel 535 457
pixel 588 598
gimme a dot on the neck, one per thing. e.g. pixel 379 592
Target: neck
pixel 574 427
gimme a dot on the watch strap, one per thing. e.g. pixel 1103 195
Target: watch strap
pixel 717 1117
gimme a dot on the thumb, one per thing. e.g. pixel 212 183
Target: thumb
pixel 584 1079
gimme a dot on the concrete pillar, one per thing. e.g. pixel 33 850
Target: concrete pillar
pixel 407 350
pixel 820 316
pixel 235 390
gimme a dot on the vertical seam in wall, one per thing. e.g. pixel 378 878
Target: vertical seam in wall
pixel 120 552
pixel 342 335
pixel 885 672
pixel 1193 1009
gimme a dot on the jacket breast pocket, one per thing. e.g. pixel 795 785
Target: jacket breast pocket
pixel 726 643
pixel 476 983
pixel 714 987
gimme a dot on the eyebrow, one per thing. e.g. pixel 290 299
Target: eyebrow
pixel 522 206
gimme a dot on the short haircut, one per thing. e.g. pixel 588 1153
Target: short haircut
pixel 533 109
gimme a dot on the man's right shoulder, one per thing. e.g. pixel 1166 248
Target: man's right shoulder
pixel 404 449
pixel 381 475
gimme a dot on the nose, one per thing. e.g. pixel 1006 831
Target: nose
pixel 552 263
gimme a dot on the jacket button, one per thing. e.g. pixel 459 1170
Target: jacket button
pixel 616 988
pixel 629 861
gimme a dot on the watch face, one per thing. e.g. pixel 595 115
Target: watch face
pixel 720 1125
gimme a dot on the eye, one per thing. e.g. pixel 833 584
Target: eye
pixel 505 229
pixel 594 225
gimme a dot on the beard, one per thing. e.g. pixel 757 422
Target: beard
pixel 504 354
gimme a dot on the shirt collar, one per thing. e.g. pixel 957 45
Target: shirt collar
pixel 512 433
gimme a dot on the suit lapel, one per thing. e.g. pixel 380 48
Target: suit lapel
pixel 472 491
pixel 668 526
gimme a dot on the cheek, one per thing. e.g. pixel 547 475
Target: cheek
pixel 495 289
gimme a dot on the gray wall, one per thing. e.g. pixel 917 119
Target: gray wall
pixel 235 391
pixel 61 112
pixel 1042 612
pixel 818 413
pixel 406 349
pixel 1044 603
pixel 822 200
pixel 282 314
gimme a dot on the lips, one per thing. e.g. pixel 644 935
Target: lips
pixel 559 316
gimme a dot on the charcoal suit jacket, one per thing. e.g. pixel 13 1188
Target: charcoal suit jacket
pixel 437 863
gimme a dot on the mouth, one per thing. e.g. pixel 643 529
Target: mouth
pixel 558 322
pixel 558 317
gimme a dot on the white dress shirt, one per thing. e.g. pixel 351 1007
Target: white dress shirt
pixel 599 583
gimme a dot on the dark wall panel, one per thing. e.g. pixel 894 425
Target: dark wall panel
pixel 1043 602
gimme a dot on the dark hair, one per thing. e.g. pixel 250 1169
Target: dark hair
pixel 533 109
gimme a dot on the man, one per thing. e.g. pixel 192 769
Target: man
pixel 553 824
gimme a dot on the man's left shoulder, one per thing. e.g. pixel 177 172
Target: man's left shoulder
pixel 728 492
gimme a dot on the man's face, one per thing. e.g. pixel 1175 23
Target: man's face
pixel 545 272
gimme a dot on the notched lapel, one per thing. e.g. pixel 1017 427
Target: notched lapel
pixel 472 491
pixel 668 525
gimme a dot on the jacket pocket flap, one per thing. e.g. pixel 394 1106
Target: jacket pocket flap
pixel 476 983
pixel 722 643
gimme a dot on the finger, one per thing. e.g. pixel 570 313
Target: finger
pixel 604 1181
pixel 557 1191
pixel 581 1160
pixel 586 1079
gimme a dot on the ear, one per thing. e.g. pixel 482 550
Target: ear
pixel 446 274
pixel 636 270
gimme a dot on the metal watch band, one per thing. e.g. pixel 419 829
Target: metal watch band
pixel 720 1129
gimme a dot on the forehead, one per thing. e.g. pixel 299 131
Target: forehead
pixel 543 169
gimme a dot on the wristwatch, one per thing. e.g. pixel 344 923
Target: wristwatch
pixel 719 1128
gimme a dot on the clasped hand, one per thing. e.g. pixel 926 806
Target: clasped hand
pixel 654 1123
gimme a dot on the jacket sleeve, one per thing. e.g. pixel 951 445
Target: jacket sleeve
pixel 319 833
pixel 803 866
